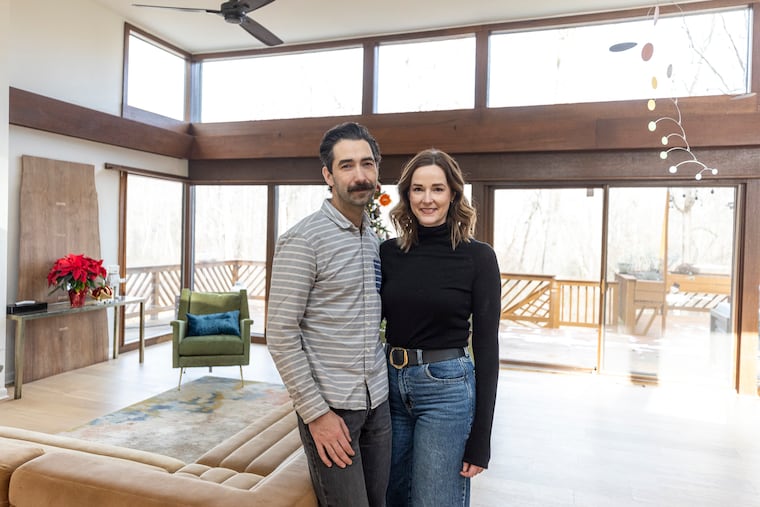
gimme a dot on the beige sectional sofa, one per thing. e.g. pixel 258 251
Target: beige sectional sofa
pixel 263 464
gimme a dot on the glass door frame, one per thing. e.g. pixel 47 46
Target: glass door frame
pixel 487 197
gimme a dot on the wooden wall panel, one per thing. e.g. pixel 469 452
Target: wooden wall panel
pixel 498 168
pixel 58 215
pixel 30 110
pixel 710 122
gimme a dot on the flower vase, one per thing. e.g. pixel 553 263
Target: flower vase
pixel 77 297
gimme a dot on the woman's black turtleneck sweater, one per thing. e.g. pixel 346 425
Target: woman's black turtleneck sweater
pixel 429 294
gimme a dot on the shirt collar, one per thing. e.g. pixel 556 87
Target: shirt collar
pixel 340 219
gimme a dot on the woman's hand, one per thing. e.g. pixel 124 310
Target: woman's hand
pixel 470 470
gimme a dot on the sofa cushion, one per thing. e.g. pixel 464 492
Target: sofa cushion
pixel 219 475
pixel 63 443
pixel 13 456
pixel 248 450
pixel 77 480
pixel 290 483
pixel 287 486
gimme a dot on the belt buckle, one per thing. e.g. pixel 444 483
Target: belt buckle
pixel 393 362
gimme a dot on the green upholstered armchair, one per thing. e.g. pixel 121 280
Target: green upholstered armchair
pixel 213 344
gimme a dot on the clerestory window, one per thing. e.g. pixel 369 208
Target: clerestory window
pixel 156 76
pixel 691 55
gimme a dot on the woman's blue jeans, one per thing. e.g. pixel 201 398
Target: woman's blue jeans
pixel 432 407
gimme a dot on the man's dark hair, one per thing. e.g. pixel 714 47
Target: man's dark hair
pixel 348 130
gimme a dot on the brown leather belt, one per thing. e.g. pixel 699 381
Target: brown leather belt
pixel 400 357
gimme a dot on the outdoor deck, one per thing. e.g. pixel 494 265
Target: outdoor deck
pixel 652 329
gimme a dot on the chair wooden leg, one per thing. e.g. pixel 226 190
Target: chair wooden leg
pixel 179 385
pixel 242 382
pixel 650 321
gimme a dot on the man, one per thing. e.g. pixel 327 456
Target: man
pixel 323 328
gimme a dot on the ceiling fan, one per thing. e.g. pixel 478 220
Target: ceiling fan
pixel 235 12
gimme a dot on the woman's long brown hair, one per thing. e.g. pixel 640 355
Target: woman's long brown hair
pixel 461 217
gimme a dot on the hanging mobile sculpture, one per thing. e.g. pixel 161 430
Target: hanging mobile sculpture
pixel 677 131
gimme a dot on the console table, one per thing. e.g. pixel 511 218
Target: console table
pixel 57 309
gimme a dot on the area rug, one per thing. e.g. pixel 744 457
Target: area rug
pixel 185 424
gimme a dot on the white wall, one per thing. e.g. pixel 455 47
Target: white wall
pixel 24 141
pixel 70 51
pixel 4 41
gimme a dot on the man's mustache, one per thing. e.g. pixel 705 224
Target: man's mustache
pixel 362 186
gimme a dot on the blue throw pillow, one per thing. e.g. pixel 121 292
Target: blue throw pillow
pixel 214 323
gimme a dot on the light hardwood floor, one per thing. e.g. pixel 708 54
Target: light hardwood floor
pixel 558 440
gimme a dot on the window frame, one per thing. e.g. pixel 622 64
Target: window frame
pixel 633 56
pixel 200 70
pixel 427 40
pixel 136 113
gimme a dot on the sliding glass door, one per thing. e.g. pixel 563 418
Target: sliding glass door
pixel 669 266
pixel 548 243
pixel 665 311
pixel 153 253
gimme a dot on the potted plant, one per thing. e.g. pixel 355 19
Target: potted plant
pixel 76 274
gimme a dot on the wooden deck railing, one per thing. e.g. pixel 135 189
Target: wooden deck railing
pixel 160 285
pixel 545 301
pixel 531 300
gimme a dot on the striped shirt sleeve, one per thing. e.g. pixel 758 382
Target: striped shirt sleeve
pixel 293 273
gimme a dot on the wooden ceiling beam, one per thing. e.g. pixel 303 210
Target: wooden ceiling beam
pixel 27 109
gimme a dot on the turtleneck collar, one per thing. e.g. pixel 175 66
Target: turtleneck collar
pixel 438 230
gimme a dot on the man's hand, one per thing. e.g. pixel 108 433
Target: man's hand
pixel 332 439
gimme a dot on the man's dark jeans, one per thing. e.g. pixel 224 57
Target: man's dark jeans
pixel 364 482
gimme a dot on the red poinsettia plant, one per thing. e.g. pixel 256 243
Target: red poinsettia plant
pixel 76 272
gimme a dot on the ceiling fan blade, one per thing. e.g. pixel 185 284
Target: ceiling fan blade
pixel 186 9
pixel 247 6
pixel 259 32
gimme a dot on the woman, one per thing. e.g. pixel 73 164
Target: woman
pixel 436 280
